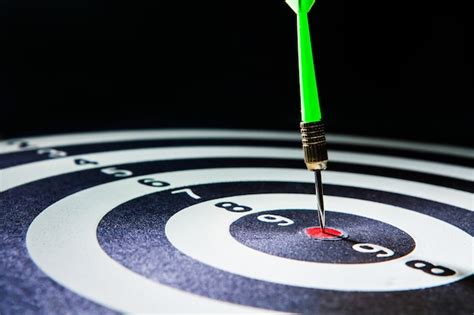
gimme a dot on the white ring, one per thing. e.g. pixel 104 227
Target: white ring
pixel 209 225
pixel 62 239
pixel 26 173
pixel 134 135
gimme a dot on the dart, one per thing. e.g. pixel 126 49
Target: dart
pixel 312 128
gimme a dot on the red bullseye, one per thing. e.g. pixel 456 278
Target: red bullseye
pixel 316 232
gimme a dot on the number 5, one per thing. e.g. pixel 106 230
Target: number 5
pixel 116 172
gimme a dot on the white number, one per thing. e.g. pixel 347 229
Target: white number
pixel 186 191
pixel 52 153
pixel 372 248
pixel 116 172
pixel 270 218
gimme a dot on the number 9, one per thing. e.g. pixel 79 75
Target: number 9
pixel 372 248
pixel 271 218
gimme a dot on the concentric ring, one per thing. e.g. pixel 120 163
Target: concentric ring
pixel 36 184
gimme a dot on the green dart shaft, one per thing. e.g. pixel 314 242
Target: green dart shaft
pixel 310 109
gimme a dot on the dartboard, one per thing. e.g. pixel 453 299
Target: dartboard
pixel 217 221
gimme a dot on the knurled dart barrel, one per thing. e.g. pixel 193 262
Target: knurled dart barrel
pixel 314 145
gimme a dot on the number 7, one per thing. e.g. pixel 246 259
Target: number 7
pixel 187 191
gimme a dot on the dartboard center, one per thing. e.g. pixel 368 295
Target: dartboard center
pixel 316 232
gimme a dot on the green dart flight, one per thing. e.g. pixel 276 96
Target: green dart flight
pixel 310 110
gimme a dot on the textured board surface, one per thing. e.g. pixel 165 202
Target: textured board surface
pixel 214 221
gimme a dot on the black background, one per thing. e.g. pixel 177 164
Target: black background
pixel 384 68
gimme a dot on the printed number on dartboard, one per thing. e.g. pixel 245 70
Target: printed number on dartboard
pixel 366 248
pixel 429 268
pixel 233 207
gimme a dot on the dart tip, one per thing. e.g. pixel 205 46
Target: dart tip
pixel 319 199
